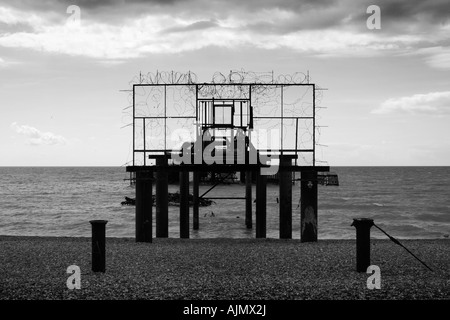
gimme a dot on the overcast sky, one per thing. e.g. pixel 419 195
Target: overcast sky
pixel 388 97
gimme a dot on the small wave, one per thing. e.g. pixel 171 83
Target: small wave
pixel 433 217
pixel 378 204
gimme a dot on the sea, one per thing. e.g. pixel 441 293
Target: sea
pixel 406 202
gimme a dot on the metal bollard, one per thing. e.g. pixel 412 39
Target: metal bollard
pixel 362 226
pixel 98 245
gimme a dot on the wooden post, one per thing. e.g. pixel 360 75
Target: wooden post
pixel 261 195
pixel 308 208
pixel 162 191
pixel 196 202
pixel 248 200
pixel 285 198
pixel 184 204
pixel 98 245
pixel 362 226
pixel 144 206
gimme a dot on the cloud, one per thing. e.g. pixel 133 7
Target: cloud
pixel 118 30
pixel 11 17
pixel 14 27
pixel 37 137
pixel 440 59
pixel 433 103
pixel 7 63
pixel 150 34
pixel 434 56
pixel 198 25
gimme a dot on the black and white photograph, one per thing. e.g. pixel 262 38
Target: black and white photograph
pixel 225 159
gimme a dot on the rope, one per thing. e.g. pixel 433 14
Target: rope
pixel 398 242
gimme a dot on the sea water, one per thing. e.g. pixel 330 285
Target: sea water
pixel 407 202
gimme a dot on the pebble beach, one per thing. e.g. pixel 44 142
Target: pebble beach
pixel 35 268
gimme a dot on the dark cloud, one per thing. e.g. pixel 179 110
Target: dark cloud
pixel 409 15
pixel 433 10
pixel 131 7
pixel 251 6
pixel 53 5
pixel 101 10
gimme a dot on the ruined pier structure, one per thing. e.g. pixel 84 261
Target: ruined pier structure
pixel 181 125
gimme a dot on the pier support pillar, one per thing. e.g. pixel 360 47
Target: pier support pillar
pixel 184 204
pixel 144 206
pixel 308 211
pixel 248 200
pixel 196 202
pixel 261 197
pixel 162 191
pixel 285 187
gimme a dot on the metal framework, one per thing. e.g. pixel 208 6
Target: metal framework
pixel 221 109
pixel 181 117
